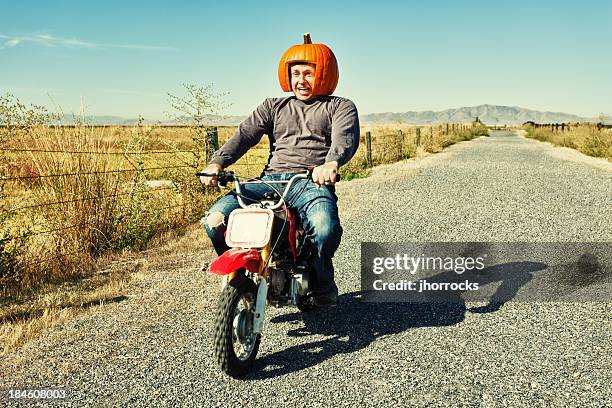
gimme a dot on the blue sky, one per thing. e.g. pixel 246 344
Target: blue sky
pixel 121 57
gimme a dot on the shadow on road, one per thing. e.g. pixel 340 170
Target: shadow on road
pixel 354 324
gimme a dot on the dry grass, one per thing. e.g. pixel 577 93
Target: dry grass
pixel 56 227
pixel 21 322
pixel 585 138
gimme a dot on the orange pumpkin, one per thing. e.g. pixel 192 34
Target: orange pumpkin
pixel 326 75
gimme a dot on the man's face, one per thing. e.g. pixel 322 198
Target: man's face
pixel 302 80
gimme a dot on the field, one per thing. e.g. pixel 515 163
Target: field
pixel 75 196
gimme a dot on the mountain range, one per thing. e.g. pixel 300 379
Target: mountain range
pixel 488 114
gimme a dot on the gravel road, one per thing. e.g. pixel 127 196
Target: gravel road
pixel 154 348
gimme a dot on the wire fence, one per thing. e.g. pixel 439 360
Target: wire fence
pixel 419 133
pixel 79 174
pixel 8 149
pixel 567 127
pixel 85 198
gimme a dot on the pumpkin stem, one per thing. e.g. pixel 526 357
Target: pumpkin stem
pixel 307 39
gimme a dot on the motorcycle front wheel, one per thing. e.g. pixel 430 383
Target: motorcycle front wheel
pixel 235 343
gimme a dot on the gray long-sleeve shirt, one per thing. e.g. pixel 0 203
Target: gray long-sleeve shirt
pixel 302 134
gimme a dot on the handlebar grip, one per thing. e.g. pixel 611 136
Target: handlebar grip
pixel 221 174
pixel 223 177
pixel 310 174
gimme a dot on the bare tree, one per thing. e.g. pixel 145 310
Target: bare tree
pixel 196 109
pixel 601 118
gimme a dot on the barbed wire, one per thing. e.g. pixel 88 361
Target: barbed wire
pixel 33 234
pixel 10 149
pixel 57 255
pixel 405 135
pixel 91 173
pixel 82 199
pixel 81 252
pixel 29 234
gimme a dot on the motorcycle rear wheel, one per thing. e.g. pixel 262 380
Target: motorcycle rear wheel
pixel 235 343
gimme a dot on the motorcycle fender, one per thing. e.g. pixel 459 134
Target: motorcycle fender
pixel 234 259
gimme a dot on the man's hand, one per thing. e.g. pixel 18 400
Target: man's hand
pixel 210 181
pixel 325 174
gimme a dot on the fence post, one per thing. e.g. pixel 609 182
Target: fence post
pixel 418 136
pixel 369 148
pixel 212 142
pixel 446 130
pixel 400 136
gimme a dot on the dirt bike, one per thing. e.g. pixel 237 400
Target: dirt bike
pixel 267 263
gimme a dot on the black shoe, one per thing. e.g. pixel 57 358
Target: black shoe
pixel 326 298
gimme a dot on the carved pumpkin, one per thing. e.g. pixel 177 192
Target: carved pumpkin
pixel 326 75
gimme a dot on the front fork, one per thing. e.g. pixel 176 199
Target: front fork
pixel 260 301
pixel 262 291
pixel 260 306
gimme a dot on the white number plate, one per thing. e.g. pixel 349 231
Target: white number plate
pixel 249 228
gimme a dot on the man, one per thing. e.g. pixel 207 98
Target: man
pixel 306 130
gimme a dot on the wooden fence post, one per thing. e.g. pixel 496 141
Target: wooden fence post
pixel 212 142
pixel 446 130
pixel 400 138
pixel 418 136
pixel 369 148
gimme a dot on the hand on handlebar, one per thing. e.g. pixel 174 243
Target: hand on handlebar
pixel 210 181
pixel 325 174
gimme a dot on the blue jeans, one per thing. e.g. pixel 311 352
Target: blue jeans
pixel 316 208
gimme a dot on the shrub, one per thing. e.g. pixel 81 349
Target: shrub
pixel 584 138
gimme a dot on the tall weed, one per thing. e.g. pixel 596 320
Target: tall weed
pixel 585 138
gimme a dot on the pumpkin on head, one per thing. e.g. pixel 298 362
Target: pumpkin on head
pixel 326 75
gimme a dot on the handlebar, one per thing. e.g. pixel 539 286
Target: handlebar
pixel 224 177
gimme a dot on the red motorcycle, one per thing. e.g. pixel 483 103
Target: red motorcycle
pixel 267 263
